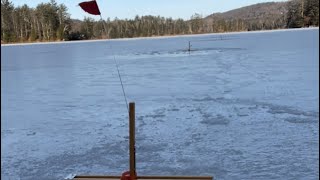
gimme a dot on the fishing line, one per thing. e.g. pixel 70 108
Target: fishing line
pixel 116 63
pixel 123 91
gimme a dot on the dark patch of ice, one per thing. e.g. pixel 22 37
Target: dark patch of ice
pixel 174 109
pixel 205 99
pixel 233 152
pixel 297 120
pixel 217 120
pixel 271 108
pixel 148 147
pixel 242 114
pixel 287 110
pixel 31 133
pixel 140 118
pixel 156 116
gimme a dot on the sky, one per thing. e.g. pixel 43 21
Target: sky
pixel 130 8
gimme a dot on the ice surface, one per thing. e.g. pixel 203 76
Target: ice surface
pixel 245 108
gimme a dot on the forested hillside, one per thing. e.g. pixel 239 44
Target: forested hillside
pixel 271 15
pixel 51 22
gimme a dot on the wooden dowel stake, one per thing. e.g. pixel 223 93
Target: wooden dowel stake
pixel 132 140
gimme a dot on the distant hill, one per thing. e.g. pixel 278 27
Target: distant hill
pixel 253 12
pixel 262 13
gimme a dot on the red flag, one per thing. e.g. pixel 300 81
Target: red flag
pixel 90 7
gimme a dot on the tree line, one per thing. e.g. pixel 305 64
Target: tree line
pixel 47 22
pixel 303 13
pixel 51 22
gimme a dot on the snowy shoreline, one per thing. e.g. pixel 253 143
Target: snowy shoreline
pixel 158 37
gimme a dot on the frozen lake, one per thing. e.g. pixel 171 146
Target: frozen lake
pixel 245 107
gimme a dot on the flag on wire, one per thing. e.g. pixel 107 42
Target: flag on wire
pixel 90 7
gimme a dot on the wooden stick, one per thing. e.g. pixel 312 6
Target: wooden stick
pixel 132 139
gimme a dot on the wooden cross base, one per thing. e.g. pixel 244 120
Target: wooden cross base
pixel 132 162
pixel 145 177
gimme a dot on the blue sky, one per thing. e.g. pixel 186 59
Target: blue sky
pixel 167 8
